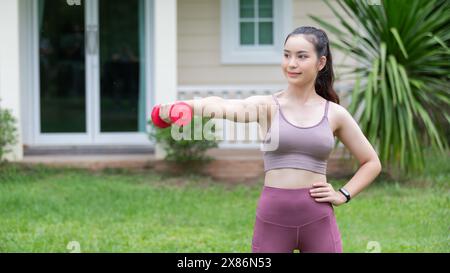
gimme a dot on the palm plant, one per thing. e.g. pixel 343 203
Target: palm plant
pixel 402 77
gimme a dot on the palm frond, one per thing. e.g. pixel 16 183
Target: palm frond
pixel 402 80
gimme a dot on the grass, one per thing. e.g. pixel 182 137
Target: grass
pixel 44 209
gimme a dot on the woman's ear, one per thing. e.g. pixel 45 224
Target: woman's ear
pixel 322 62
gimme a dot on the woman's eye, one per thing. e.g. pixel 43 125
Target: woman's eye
pixel 299 56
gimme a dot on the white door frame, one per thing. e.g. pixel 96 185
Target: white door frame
pixel 93 135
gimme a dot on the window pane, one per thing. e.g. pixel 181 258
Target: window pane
pixel 265 33
pixel 120 70
pixel 62 67
pixel 265 8
pixel 246 9
pixel 247 33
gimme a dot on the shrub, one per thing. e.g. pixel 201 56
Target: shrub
pixel 185 153
pixel 8 132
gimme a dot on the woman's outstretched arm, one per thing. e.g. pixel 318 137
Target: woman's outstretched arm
pixel 246 110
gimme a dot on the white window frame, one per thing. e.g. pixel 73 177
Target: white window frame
pixel 234 53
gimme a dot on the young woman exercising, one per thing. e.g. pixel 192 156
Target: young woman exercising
pixel 295 209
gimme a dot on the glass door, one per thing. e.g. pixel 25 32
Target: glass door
pixel 93 71
pixel 122 66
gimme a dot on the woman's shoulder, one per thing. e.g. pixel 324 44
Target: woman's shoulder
pixel 337 109
pixel 339 114
pixel 266 100
pixel 260 100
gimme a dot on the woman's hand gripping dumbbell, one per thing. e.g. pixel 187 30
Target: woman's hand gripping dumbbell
pixel 180 113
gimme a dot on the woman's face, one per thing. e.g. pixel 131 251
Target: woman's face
pixel 300 64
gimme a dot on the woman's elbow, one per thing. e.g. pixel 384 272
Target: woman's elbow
pixel 378 167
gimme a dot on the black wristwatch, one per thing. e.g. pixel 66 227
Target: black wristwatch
pixel 346 194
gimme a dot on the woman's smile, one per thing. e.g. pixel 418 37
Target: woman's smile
pixel 293 74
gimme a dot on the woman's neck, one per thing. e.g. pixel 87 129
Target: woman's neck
pixel 302 94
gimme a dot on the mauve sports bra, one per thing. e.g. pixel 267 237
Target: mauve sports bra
pixel 298 147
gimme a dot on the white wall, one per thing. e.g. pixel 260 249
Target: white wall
pixel 165 54
pixel 199 45
pixel 10 80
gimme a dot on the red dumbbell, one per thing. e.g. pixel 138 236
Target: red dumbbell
pixel 180 113
pixel 156 119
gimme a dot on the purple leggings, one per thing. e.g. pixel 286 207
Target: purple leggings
pixel 288 219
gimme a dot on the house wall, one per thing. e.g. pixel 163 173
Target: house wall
pixel 191 57
pixel 10 80
pixel 199 45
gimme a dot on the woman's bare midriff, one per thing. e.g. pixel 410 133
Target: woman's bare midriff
pixel 289 178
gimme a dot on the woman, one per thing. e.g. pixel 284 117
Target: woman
pixel 295 209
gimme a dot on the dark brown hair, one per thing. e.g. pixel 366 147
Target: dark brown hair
pixel 325 77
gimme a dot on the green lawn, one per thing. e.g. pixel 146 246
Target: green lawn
pixel 43 209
